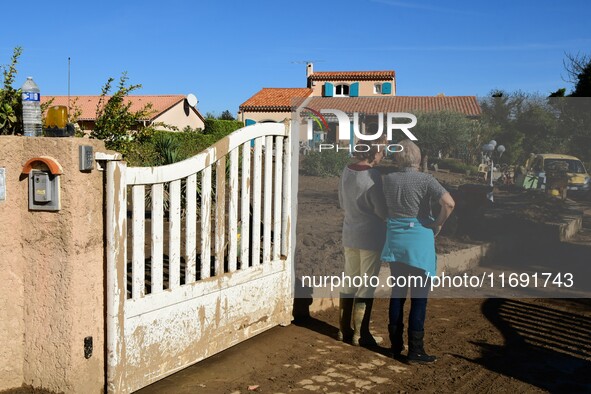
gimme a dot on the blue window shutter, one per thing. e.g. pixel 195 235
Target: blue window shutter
pixel 328 89
pixel 387 88
pixel 354 90
pixel 249 122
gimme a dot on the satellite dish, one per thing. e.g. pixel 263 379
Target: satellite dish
pixel 192 100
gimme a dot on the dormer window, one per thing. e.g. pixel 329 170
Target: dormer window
pixel 382 88
pixel 341 90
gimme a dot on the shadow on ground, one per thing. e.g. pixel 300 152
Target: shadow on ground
pixel 548 348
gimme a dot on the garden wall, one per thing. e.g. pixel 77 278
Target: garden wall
pixel 51 297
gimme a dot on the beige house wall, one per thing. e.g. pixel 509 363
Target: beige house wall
pixel 366 88
pixel 181 118
pixel 52 273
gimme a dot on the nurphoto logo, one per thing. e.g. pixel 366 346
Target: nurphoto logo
pixel 349 130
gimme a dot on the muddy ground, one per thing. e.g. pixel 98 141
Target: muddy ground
pixel 483 344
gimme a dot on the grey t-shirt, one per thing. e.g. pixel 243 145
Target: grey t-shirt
pixel 410 193
pixel 362 198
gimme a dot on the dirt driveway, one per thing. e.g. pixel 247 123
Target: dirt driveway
pixel 493 345
pixel 483 345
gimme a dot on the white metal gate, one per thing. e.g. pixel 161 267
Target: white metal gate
pixel 198 254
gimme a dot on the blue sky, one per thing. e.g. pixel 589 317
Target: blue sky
pixel 224 51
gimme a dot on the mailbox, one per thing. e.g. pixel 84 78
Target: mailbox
pixel 44 183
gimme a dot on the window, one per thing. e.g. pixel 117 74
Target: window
pixel 382 88
pixel 574 166
pixel 341 90
pixel 537 165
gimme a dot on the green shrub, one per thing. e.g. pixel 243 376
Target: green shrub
pixel 11 121
pixel 167 147
pixel 221 128
pixel 325 164
pixel 142 154
pixel 116 123
pixel 455 165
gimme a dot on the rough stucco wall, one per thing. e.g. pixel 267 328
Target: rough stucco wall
pixel 12 324
pixel 61 265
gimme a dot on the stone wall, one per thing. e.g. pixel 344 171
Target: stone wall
pixel 52 293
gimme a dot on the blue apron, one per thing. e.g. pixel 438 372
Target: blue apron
pixel 408 241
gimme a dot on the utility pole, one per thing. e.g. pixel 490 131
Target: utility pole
pixel 68 86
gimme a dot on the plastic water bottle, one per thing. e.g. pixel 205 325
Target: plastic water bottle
pixel 31 109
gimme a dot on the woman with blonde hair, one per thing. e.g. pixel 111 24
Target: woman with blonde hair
pixel 410 245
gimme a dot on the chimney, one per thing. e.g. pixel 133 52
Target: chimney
pixel 309 69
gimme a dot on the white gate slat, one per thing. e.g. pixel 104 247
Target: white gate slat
pixel 245 207
pixel 205 223
pixel 116 272
pixel 277 196
pixel 190 228
pixel 233 212
pixel 286 192
pixel 220 215
pixel 174 240
pixel 138 241
pixel 255 221
pixel 157 237
pixel 267 199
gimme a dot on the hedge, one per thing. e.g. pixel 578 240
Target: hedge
pixel 187 144
pixel 325 164
pixel 221 127
pixel 456 165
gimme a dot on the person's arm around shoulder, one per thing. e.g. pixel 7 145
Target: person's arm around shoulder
pixel 341 191
pixel 377 198
pixel 447 206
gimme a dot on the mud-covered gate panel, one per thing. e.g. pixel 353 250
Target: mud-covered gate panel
pixel 198 254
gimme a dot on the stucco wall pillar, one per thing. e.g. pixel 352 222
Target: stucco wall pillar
pixel 52 265
pixel 12 300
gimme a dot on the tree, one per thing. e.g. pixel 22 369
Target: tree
pixel 559 93
pixel 500 112
pixel 448 133
pixel 529 123
pixel 11 113
pixel 575 118
pixel 226 115
pixel 578 69
pixel 578 73
pixel 583 86
pixel 539 123
pixel 116 123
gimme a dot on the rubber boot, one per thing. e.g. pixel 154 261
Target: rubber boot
pixel 396 339
pixel 416 350
pixel 345 333
pixel 361 317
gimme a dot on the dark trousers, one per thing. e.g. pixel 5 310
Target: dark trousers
pixel 419 291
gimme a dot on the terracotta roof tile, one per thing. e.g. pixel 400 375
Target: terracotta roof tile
pixel 88 104
pixel 276 99
pixel 352 75
pixel 467 105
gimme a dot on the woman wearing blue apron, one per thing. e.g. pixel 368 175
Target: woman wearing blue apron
pixel 410 246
